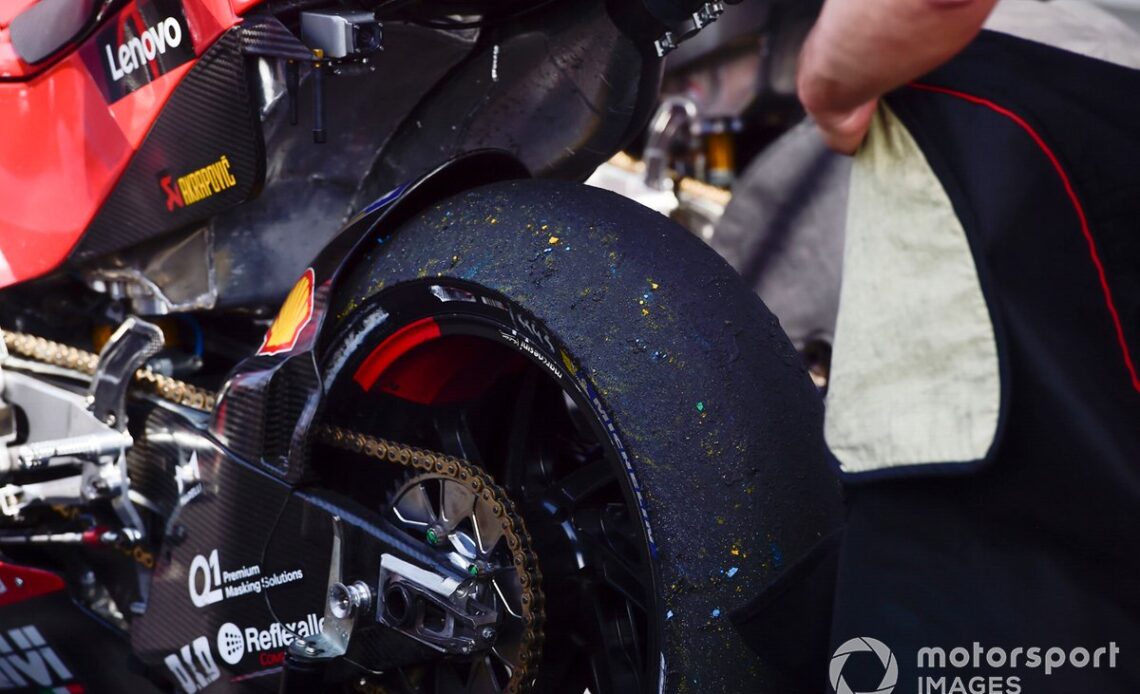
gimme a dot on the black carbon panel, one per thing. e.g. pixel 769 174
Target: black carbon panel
pixel 53 645
pixel 289 392
pixel 239 420
pixel 150 463
pixel 204 154
pixel 266 396
pixel 266 35
pixel 237 547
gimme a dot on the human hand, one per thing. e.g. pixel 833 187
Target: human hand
pixel 844 131
pixel 859 50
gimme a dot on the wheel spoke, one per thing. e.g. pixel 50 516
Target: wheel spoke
pixel 570 490
pixel 518 461
pixel 616 571
pixel 455 437
pixel 508 650
pixel 484 679
pixel 613 662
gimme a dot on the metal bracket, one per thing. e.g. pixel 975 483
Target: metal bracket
pixel 706 14
pixel 343 605
pixel 128 349
pixel 406 590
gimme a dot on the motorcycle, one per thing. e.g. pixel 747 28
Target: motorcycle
pixel 322 372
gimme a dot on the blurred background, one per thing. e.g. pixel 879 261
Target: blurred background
pixel 730 156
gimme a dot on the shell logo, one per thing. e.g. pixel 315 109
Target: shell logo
pixel 294 315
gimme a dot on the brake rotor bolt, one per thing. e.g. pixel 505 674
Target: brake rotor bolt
pixel 436 535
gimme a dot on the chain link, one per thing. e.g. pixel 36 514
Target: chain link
pixel 73 359
pixel 474 478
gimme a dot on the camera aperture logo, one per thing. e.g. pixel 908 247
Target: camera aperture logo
pixel 973 669
pixel 864 644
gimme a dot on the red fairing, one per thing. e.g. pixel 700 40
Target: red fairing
pixel 19 583
pixel 11 8
pixel 71 128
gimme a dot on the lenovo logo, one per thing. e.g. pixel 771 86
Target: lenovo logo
pixel 140 50
pixel 26 660
pixel 147 40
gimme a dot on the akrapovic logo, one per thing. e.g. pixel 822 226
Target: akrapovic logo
pixel 134 53
pixel 26 660
pixel 197 185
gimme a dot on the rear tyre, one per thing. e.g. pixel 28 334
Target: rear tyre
pixel 645 412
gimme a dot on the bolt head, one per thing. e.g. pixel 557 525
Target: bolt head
pixel 488 633
pixel 340 601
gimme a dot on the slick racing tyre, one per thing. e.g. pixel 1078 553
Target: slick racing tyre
pixel 643 411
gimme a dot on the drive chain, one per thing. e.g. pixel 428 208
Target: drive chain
pixel 474 478
pixel 73 359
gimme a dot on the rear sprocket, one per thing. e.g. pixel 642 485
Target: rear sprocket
pixel 460 512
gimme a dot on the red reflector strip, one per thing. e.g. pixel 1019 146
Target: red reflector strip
pixel 21 583
pixel 392 348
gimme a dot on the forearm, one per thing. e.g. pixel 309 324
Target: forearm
pixel 861 49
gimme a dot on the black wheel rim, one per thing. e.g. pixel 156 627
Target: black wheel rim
pixel 526 418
